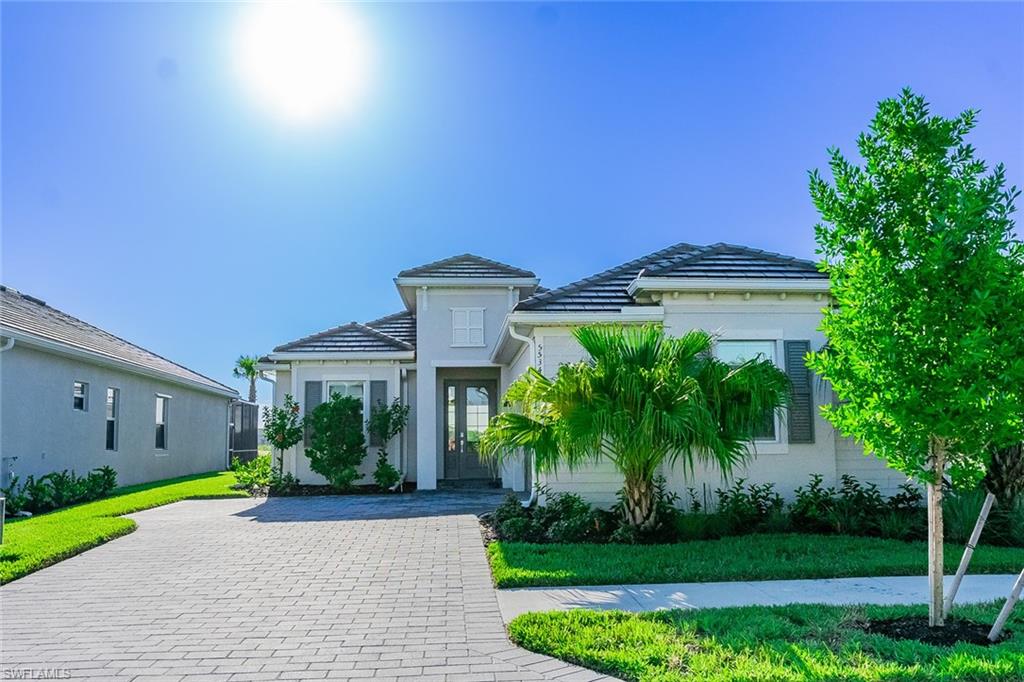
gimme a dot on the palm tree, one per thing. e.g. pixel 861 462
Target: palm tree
pixel 643 399
pixel 245 368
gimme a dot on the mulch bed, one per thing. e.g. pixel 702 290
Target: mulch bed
pixel 320 490
pixel 916 628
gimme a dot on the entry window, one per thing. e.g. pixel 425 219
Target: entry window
pixel 162 401
pixel 80 396
pixel 352 389
pixel 467 327
pixel 737 352
pixel 113 412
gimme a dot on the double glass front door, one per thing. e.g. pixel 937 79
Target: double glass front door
pixel 469 406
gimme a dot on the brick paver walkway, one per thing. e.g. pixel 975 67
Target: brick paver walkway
pixel 289 588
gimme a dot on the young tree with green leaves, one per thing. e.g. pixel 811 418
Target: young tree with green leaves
pixel 337 445
pixel 282 428
pixel 386 422
pixel 926 335
pixel 641 400
pixel 245 368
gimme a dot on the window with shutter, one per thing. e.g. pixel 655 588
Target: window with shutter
pixel 801 408
pixel 314 396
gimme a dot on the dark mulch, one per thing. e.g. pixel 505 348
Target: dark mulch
pixel 320 490
pixel 916 628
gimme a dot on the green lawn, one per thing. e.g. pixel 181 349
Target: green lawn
pixel 748 557
pixel 786 643
pixel 37 542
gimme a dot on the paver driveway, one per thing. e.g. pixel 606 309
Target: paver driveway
pixel 287 588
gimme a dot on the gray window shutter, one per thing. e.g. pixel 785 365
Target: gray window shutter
pixel 314 396
pixel 801 408
pixel 378 398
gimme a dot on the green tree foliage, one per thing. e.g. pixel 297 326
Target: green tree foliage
pixel 926 336
pixel 281 427
pixel 337 445
pixel 641 400
pixel 386 422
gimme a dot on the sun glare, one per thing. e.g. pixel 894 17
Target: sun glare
pixel 305 61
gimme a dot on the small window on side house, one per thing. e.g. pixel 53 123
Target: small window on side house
pixel 352 389
pixel 80 396
pixel 113 412
pixel 467 327
pixel 161 421
pixel 736 353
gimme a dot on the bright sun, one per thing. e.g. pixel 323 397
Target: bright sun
pixel 306 61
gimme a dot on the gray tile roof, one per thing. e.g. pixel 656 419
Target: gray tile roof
pixel 27 314
pixel 348 338
pixel 606 291
pixel 466 265
pixel 401 325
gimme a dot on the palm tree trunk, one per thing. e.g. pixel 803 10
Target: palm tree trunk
pixel 639 502
pixel 252 389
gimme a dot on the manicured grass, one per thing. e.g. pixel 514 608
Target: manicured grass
pixel 37 542
pixel 748 557
pixel 791 643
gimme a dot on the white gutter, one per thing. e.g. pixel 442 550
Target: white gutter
pixel 8 344
pixel 532 344
pixel 383 355
pixel 702 284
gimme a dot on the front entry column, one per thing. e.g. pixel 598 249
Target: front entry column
pixel 426 428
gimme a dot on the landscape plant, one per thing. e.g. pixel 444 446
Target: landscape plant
pixel 246 368
pixel 258 476
pixel 57 489
pixel 282 427
pixel 925 348
pixel 386 422
pixel 337 445
pixel 642 400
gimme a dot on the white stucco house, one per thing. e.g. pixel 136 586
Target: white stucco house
pixel 73 396
pixel 469 326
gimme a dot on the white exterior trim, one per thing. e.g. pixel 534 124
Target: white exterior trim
pixel 329 355
pixel 777 285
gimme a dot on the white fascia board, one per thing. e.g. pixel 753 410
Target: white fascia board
pixel 85 354
pixel 774 285
pixel 652 313
pixel 467 282
pixel 326 355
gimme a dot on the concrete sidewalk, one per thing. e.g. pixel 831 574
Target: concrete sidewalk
pixel 891 590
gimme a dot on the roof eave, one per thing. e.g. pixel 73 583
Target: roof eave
pixel 817 285
pixel 341 355
pixel 79 352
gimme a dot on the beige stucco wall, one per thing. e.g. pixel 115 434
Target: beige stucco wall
pixel 733 317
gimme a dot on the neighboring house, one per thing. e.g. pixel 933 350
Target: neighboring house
pixel 471 326
pixel 75 397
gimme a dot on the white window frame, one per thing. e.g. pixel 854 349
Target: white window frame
pixel 774 345
pixel 165 450
pixel 116 418
pixel 85 396
pixel 364 381
pixel 468 328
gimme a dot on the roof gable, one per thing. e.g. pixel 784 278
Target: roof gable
pixel 347 338
pixel 27 314
pixel 467 265
pixel 608 290
pixel 732 261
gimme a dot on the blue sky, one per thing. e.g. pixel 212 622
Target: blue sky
pixel 145 192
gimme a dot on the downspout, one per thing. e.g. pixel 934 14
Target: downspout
pixel 529 341
pixel 8 344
